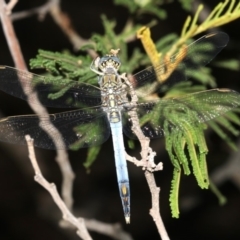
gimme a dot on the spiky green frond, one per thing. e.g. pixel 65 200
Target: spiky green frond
pixel 91 156
pixel 223 13
pixel 174 193
pixel 140 7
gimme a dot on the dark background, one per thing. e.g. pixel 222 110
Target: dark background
pixel 26 209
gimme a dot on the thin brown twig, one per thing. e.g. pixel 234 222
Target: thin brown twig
pixel 51 188
pixel 64 22
pixel 148 162
pixel 149 167
pixel 10 6
pixel 11 38
pixel 61 19
pixel 114 231
pixel 40 11
pixel 37 107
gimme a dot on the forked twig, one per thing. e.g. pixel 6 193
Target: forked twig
pixel 114 231
pixel 61 19
pixel 83 225
pixel 51 188
pixel 147 162
pixel 10 6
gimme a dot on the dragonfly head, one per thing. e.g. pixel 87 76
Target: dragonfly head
pixel 109 61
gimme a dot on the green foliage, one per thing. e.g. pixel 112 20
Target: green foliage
pixel 141 7
pixel 223 13
pixel 91 157
pixel 174 193
pixel 186 4
pixel 166 42
pixel 181 133
pixel 183 88
pixel 131 144
pixel 221 198
pixel 64 66
pixel 229 122
pixel 181 120
pixel 230 64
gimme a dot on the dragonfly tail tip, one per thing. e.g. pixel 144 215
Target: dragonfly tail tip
pixel 127 218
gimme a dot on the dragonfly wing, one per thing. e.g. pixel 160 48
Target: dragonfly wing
pixel 79 129
pixel 197 54
pixel 149 129
pixel 51 93
pixel 193 109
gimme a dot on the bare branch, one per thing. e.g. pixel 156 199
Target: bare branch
pixel 51 188
pixel 155 210
pixel 62 20
pixel 65 24
pixel 10 6
pixel 11 38
pixel 41 11
pixel 149 166
pixel 114 231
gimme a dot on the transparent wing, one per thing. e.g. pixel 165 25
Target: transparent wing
pixel 72 93
pixel 79 129
pixel 178 67
pixel 192 108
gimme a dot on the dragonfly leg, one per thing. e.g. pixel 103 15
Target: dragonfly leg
pixel 94 67
pixel 134 97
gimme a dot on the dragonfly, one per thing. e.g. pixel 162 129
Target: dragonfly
pixel 101 110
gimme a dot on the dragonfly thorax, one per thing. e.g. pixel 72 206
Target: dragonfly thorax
pixel 113 96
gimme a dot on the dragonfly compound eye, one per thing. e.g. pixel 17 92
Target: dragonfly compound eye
pixel 109 61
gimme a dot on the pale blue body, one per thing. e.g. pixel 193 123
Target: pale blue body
pixel 121 167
